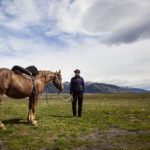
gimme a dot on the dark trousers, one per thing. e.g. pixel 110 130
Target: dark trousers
pixel 79 97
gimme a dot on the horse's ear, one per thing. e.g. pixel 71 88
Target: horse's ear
pixel 59 71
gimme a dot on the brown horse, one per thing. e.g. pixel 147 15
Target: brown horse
pixel 18 86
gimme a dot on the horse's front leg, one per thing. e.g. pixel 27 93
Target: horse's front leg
pixel 2 126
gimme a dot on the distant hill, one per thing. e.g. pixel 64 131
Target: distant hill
pixel 135 90
pixel 94 87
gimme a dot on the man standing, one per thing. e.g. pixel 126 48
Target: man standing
pixel 77 90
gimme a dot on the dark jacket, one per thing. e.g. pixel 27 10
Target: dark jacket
pixel 76 85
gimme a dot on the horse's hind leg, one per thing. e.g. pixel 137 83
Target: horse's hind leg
pixel 1 97
pixel 32 107
pixel 29 117
pixel 2 126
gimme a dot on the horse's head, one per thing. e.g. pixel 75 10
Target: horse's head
pixel 58 81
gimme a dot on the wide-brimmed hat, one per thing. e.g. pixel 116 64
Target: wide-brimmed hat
pixel 77 70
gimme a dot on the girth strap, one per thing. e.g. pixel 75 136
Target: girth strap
pixel 34 91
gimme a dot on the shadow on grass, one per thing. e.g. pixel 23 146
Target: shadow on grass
pixel 14 121
pixel 58 116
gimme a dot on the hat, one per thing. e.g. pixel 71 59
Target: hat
pixel 77 70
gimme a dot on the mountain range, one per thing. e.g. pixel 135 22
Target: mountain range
pixel 95 87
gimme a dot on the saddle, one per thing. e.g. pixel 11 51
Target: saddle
pixel 30 71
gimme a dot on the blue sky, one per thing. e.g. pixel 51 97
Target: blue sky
pixel 108 40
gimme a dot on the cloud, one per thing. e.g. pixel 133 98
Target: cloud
pixel 121 21
pixel 130 34
pixel 19 14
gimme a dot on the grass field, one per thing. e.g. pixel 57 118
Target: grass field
pixel 110 121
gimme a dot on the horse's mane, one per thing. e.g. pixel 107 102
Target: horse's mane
pixel 46 74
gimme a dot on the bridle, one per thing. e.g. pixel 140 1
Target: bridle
pixel 57 81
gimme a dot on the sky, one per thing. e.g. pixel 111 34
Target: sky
pixel 108 40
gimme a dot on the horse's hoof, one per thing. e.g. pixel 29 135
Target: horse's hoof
pixel 34 123
pixel 3 127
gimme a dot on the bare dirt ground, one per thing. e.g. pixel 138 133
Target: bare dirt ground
pixel 3 145
pixel 113 138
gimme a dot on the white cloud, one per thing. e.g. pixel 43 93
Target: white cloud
pixel 20 13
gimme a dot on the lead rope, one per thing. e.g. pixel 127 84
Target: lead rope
pixel 67 100
pixel 46 98
pixel 59 96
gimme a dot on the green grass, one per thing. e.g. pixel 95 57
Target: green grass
pixel 110 121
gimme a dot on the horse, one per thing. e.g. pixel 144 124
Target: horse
pixel 20 86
